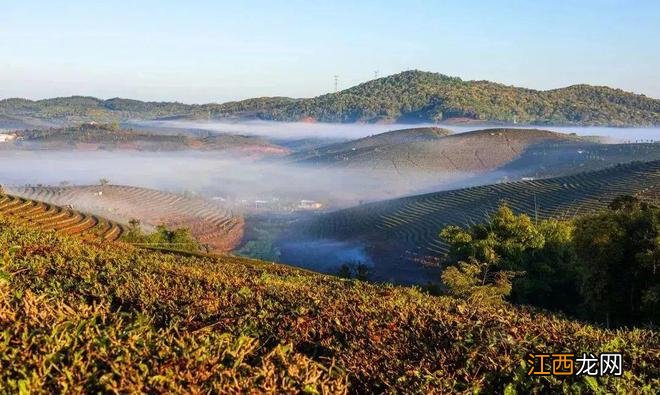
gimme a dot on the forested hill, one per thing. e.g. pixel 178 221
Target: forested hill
pixel 432 97
pixel 410 96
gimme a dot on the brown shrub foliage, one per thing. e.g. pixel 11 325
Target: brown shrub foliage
pixel 88 318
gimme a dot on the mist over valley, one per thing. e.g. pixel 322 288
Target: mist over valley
pixel 280 176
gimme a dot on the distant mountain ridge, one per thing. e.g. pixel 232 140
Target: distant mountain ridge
pixel 410 96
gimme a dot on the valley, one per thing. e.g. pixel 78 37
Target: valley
pixel 378 200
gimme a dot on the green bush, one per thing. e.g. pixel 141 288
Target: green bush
pixel 178 239
pixel 602 266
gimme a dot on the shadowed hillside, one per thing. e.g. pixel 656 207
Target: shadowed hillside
pixel 395 232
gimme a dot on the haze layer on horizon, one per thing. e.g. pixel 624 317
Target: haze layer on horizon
pixel 214 51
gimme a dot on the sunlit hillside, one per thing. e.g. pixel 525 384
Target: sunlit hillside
pixel 215 226
pixel 329 197
pixel 79 317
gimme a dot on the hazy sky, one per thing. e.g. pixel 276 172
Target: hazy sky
pixel 202 51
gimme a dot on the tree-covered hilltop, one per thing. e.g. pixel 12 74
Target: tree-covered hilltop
pixel 416 96
pixel 410 96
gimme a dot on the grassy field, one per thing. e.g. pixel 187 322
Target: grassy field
pixel 85 317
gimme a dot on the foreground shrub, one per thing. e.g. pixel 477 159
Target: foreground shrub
pixel 473 281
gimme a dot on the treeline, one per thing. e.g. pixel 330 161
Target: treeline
pixel 410 96
pixel 84 108
pixel 603 267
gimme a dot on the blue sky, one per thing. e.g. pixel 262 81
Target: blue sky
pixel 203 51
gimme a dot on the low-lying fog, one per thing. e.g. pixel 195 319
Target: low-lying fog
pixel 282 130
pixel 301 130
pixel 324 255
pixel 215 175
pixel 244 185
pixel 246 181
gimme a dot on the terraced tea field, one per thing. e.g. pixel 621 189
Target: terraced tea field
pixel 210 224
pixel 47 216
pixel 409 227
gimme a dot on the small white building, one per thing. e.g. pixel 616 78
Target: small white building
pixel 309 205
pixel 7 137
